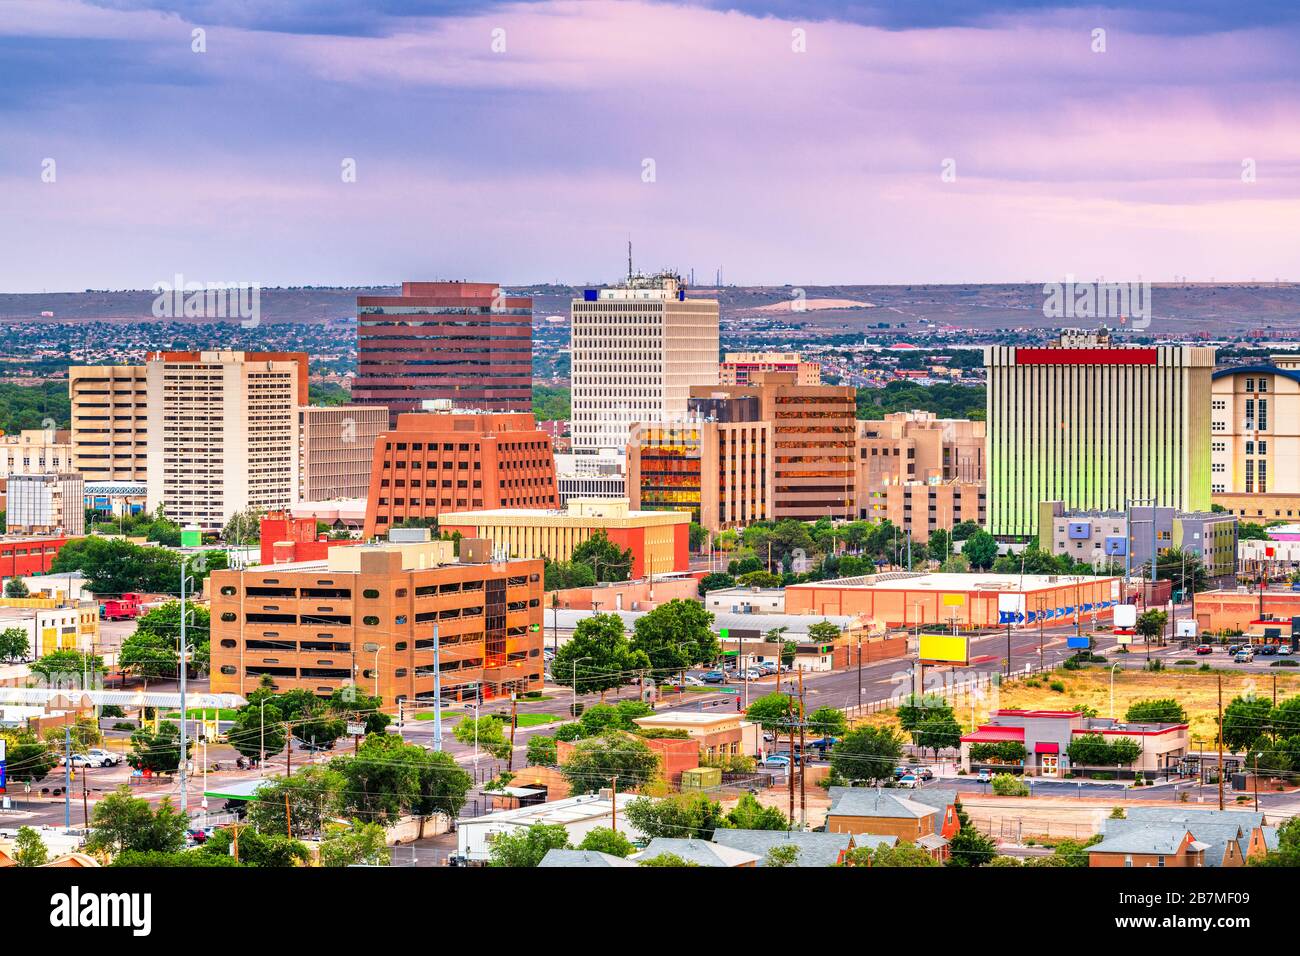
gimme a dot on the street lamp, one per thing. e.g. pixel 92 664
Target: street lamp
pixel 184 796
pixel 373 648
pixel 1112 689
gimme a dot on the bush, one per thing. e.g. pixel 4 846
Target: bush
pixel 1005 785
pixel 1070 664
pixel 1154 665
pixel 1057 686
pixel 1284 662
pixel 1206 667
pixel 124 725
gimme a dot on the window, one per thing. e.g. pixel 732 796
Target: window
pixel 227 616
pixel 370 620
pixel 370 593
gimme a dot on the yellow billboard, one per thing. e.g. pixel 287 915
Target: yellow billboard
pixel 954 600
pixel 944 648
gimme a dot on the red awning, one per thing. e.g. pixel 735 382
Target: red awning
pixel 991 734
pixel 1043 747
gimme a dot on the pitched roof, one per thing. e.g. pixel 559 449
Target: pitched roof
pixel 874 840
pixel 941 798
pixel 1246 819
pixel 875 802
pixel 1213 837
pixel 698 851
pixel 584 858
pixel 815 849
pixel 1163 841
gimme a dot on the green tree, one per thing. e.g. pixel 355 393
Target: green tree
pixel 866 754
pixel 387 777
pixel 759 579
pixel 541 751
pixel 258 849
pixel 29 760
pixel 16 588
pixel 964 529
pixel 258 728
pixel 352 703
pixel 607 840
pixel 980 549
pixel 940 731
pixel 828 721
pixel 939 545
pixel 29 848
pixel 68 666
pixel 601 654
pixel 526 847
pixel 1287 852
pixel 1165 710
pixel 716 581
pixel 775 712
pixel 782 856
pixel 1245 719
pixel 604 558
pixel 969 847
pixel 244 527
pixel 1151 624
pixel 676 635
pixel 597 761
pixel 560 575
pixel 687 815
pixel 666 859
pixel 161 628
pixel 1074 853
pixel 121 822
pixel 1009 785
pixel 490 737
pixel 901 854
pixel 158 752
pixel 823 632
pixel 314 794
pixel 116 566
pixel 14 645
pixel 361 844
pixel 749 814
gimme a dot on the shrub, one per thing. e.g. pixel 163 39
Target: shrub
pixel 1204 667
pixel 1005 785
pixel 1057 686
pixel 1070 664
pixel 1284 662
pixel 124 725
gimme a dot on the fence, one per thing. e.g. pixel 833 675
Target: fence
pixel 959 692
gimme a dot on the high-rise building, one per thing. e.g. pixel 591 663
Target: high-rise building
pixel 637 349
pixel 223 433
pixel 738 367
pixel 373 614
pixel 46 504
pixel 922 507
pixel 338 446
pixel 917 446
pixel 110 422
pixel 466 342
pixel 1096 426
pixel 458 461
pixel 1255 429
pixel 35 451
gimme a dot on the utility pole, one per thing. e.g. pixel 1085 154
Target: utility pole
pixel 288 820
pixel 514 722
pixel 1008 647
pixel 67 779
pixel 803 777
pixel 437 692
pixel 184 796
pixel 613 803
pixel 858 709
pixel 1255 777
pixel 790 726
pixel 1220 741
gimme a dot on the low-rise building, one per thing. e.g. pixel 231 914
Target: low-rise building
pixel 699 852
pixel 814 849
pixel 578 815
pixel 46 504
pixel 21 556
pixel 582 858
pixel 286 539
pixel 927 818
pixel 922 508
pixel 741 600
pixel 1179 836
pixel 719 734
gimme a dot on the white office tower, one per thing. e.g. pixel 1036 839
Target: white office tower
pixel 637 349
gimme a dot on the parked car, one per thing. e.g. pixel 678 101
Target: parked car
pixel 1244 656
pixel 767 668
pixel 196 836
pixel 901 772
pixel 752 673
pixel 925 773
pixel 1284 650
pixel 1204 649
pixel 81 760
pixel 776 762
pixel 107 757
pixel 1266 650
pixel 1233 648
pixel 714 677
pixel 907 780
pixel 691 681
pixel 985 776
pixel 310 747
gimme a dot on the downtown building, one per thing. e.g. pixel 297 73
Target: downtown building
pixel 1096 426
pixel 110 422
pixel 337 449
pixel 637 349
pixel 738 368
pixel 386 617
pixel 1255 439
pixel 464 342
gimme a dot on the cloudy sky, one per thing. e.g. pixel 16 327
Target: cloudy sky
pixel 786 141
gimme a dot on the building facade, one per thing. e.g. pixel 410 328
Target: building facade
pixel 917 446
pixel 110 422
pixel 922 508
pixel 223 433
pixel 637 349
pixel 338 447
pixel 372 615
pixel 1095 425
pixel 1255 422
pixel 51 504
pixel 458 461
pixel 35 451
pixel 466 342
pixel 659 541
pixel 738 368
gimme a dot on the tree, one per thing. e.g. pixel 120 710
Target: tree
pixel 29 848
pixel 1074 853
pixel 352 702
pixel 116 566
pixel 969 847
pixel 1287 852
pixel 525 848
pixel 258 849
pixel 687 815
pixel 314 796
pixel 121 822
pixel 604 558
pixel 68 667
pixel 866 754
pixel 940 731
pixel 441 784
pixel 774 712
pixel 676 635
pixel 542 751
pixel 698 534
pixel 158 752
pixel 560 575
pixel 749 814
pixel 901 854
pixel 607 840
pixel 716 581
pixel 596 762
pixel 828 721
pixel 787 855
pixel 759 579
pixel 14 645
pixel 1009 785
pixel 1165 710
pixel 964 529
pixel 490 736
pixel 361 844
pixel 16 588
pixel 939 545
pixel 1244 720
pixel 28 759
pixel 824 632
pixel 666 859
pixel 1151 624
pixel 258 728
pixel 957 564
pixel 160 629
pixel 388 777
pixel 601 654
pixel 244 527
pixel 980 549
pixel 149 656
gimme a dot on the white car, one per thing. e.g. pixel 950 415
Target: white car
pixel 690 681
pixel 107 757
pixel 82 760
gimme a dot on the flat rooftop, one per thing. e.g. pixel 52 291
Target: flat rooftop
pixel 945 582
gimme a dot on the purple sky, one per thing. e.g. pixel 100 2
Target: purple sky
pixel 526 165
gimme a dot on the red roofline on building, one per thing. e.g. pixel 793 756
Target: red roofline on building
pixel 1132 733
pixel 1015 712
pixel 1086 356
pixel 991 733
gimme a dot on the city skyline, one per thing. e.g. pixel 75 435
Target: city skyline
pixel 824 166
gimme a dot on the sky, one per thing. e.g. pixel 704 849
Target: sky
pixel 356 142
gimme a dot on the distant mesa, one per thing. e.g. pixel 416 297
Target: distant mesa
pixel 815 305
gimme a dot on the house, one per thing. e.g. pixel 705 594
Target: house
pixel 1046 735
pixel 815 849
pixel 578 815
pixel 719 734
pixel 926 818
pixel 699 852
pixel 1177 836
pixel 582 858
pixel 675 754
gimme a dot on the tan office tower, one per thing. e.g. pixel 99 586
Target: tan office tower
pixel 223 433
pixel 917 446
pixel 1255 431
pixel 338 444
pixel 636 350
pixel 35 451
pixel 1096 426
pixel 110 422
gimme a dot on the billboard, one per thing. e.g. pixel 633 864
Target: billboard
pixel 1126 615
pixel 2 765
pixel 944 649
pixel 954 600
pixel 1081 642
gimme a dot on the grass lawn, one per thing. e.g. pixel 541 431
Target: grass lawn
pixel 1196 690
pixel 525 720
pixel 196 713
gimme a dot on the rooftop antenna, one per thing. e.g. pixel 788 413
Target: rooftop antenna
pixel 629 259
